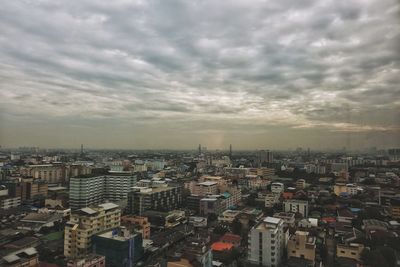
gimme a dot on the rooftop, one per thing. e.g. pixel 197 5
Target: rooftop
pixel 220 246
pixel 272 220
pixel 208 183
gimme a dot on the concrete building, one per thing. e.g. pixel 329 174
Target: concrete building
pixel 36 221
pixel 265 156
pixel 271 199
pixel 90 260
pixel 48 172
pixel 211 205
pixel 266 242
pixel 287 217
pixel 300 184
pixel 277 188
pixel 352 189
pixel 7 202
pixel 119 246
pixel 199 249
pixel 133 221
pixel 351 251
pixel 27 189
pixel 296 206
pixel 85 223
pixel 228 216
pixel 27 257
pixel 265 172
pixel 164 198
pixel 205 188
pixel 89 191
pixel 302 245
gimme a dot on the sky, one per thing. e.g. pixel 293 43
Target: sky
pixel 174 74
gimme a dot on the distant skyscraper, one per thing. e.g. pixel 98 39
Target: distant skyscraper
pixel 265 156
pixel 81 149
pixel 230 151
pixel 199 149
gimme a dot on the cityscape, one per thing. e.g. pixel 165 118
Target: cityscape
pixel 203 133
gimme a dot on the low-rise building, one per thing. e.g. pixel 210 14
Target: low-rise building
pixel 119 246
pixel 271 199
pixel 287 217
pixel 302 245
pixel 141 222
pixel 300 184
pixel 90 260
pixel 296 206
pixel 228 216
pixel 351 251
pixel 277 188
pixel 27 257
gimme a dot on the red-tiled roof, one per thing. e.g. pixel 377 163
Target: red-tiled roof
pixel 287 195
pixel 231 238
pixel 220 246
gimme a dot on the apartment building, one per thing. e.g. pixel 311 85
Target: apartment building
pixel 277 188
pixel 296 206
pixel 86 222
pixel 266 242
pixel 165 198
pixel 228 216
pixel 271 199
pixel 88 191
pixel 302 245
pixel 205 188
pixel 27 189
pixel 300 184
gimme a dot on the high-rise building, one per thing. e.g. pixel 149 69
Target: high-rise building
pixel 85 223
pixel 265 156
pixel 165 198
pixel 266 242
pixel 88 191
pixel 27 189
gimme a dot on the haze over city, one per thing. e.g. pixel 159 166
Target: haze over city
pixel 173 74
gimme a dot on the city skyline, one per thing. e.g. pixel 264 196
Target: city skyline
pixel 173 74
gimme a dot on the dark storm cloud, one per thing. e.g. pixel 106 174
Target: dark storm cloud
pixel 217 68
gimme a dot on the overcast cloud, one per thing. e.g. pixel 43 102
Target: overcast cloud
pixel 172 74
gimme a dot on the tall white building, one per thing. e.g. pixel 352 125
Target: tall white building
pixel 266 242
pixel 89 191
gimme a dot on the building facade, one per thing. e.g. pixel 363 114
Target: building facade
pixel 85 223
pixel 296 206
pixel 266 242
pixel 164 198
pixel 89 191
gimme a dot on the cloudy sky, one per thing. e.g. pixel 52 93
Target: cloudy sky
pixel 173 74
